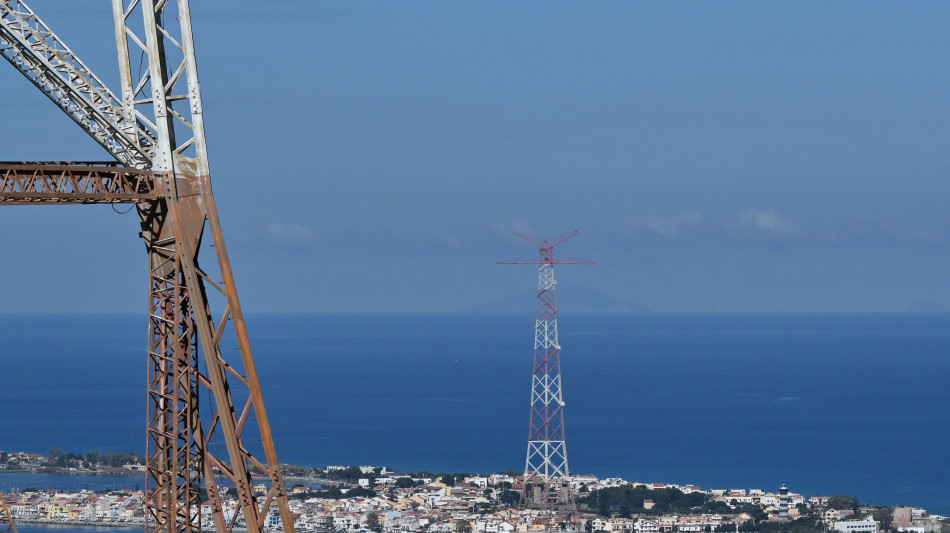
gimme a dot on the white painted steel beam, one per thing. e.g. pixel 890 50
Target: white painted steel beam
pixel 40 55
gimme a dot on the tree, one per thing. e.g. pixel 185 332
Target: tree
pixel 843 502
pixel 509 497
pixel 625 509
pixel 405 483
pixel 333 492
pixel 884 515
pixel 372 522
pixel 716 507
pixel 747 527
pixel 463 526
pixel 358 491
pixel 804 525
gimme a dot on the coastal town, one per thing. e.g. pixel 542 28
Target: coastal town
pixel 354 499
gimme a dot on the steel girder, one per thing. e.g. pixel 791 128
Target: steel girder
pixel 86 183
pixel 30 46
pixel 6 516
pixel 159 127
pixel 169 94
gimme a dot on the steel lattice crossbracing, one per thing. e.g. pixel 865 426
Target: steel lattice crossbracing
pixel 6 517
pixel 546 474
pixel 156 131
pixel 31 47
pixel 89 183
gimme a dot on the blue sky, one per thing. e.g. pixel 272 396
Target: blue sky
pixel 375 156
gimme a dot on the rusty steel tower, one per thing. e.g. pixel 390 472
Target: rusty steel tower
pixel 6 516
pixel 153 128
pixel 546 474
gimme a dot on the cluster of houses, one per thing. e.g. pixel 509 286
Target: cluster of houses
pixel 461 506
pixel 52 506
pixel 23 460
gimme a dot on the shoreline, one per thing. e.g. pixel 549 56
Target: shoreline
pixel 52 524
pixel 58 524
pixel 124 473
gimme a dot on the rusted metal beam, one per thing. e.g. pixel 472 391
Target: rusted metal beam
pixel 158 124
pixel 6 516
pixel 53 183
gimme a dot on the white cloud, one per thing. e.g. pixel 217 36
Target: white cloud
pixel 287 233
pixel 919 235
pixel 508 229
pixel 670 227
pixel 766 221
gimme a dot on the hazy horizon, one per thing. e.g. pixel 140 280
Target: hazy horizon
pixel 376 157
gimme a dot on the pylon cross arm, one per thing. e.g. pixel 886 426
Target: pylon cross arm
pixel 156 133
pixel 40 55
pixel 76 183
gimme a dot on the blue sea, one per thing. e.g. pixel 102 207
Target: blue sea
pixel 825 403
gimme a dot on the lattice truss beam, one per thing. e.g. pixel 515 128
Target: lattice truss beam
pixel 6 517
pixel 89 183
pixel 30 46
pixel 156 132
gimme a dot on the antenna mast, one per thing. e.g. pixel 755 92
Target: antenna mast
pixel 546 474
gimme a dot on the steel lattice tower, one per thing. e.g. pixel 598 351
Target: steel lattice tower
pixel 153 128
pixel 546 473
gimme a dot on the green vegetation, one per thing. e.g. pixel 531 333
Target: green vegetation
pixel 351 474
pixel 802 525
pixel 626 501
pixel 405 483
pixel 357 492
pixel 58 458
pixel 333 493
pixel 373 523
pixel 843 502
pixel 509 497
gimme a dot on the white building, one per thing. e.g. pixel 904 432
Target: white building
pixel 856 526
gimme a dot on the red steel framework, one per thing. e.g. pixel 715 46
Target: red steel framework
pixel 546 474
pixel 155 132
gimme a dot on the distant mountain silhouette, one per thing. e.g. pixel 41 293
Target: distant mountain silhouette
pixel 574 299
pixel 926 306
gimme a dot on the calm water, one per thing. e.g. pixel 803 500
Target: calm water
pixel 29 528
pixel 18 481
pixel 828 404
